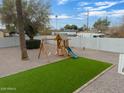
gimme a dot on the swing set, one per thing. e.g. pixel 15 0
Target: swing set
pixel 62 43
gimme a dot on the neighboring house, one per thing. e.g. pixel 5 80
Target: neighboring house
pixel 90 35
pixel 66 32
pixel 1 34
pixel 6 34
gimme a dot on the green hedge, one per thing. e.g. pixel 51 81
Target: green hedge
pixel 33 44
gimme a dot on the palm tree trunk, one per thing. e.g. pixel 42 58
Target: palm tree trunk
pixel 20 28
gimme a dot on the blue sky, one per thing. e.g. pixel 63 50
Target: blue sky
pixel 75 11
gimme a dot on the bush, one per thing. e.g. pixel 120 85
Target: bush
pixel 33 44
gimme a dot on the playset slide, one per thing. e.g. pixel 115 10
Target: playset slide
pixel 73 55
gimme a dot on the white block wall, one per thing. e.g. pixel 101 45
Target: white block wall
pixel 9 42
pixel 106 44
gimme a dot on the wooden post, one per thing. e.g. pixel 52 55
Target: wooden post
pixel 41 48
pixel 121 64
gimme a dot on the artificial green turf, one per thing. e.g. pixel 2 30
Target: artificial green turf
pixel 64 76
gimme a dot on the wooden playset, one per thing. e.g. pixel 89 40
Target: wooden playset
pixel 62 43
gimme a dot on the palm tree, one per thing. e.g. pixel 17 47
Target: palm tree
pixel 20 28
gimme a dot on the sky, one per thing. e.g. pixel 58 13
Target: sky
pixel 75 12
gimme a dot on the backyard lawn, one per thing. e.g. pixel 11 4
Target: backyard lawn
pixel 64 76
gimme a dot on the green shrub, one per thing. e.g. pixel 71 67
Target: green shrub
pixel 32 44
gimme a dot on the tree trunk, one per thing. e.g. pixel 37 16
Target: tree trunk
pixel 20 28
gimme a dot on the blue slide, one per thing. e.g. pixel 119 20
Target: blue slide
pixel 73 55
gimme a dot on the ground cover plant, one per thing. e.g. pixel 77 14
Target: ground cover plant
pixel 64 76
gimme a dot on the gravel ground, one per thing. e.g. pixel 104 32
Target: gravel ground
pixel 110 82
pixel 11 63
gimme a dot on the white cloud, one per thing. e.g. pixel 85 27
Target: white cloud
pixel 113 13
pixel 63 16
pixel 94 13
pixel 78 17
pixel 116 13
pixel 61 2
pixel 97 13
pixel 104 3
pixel 122 1
pixel 83 4
pixel 98 5
pixel 88 8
